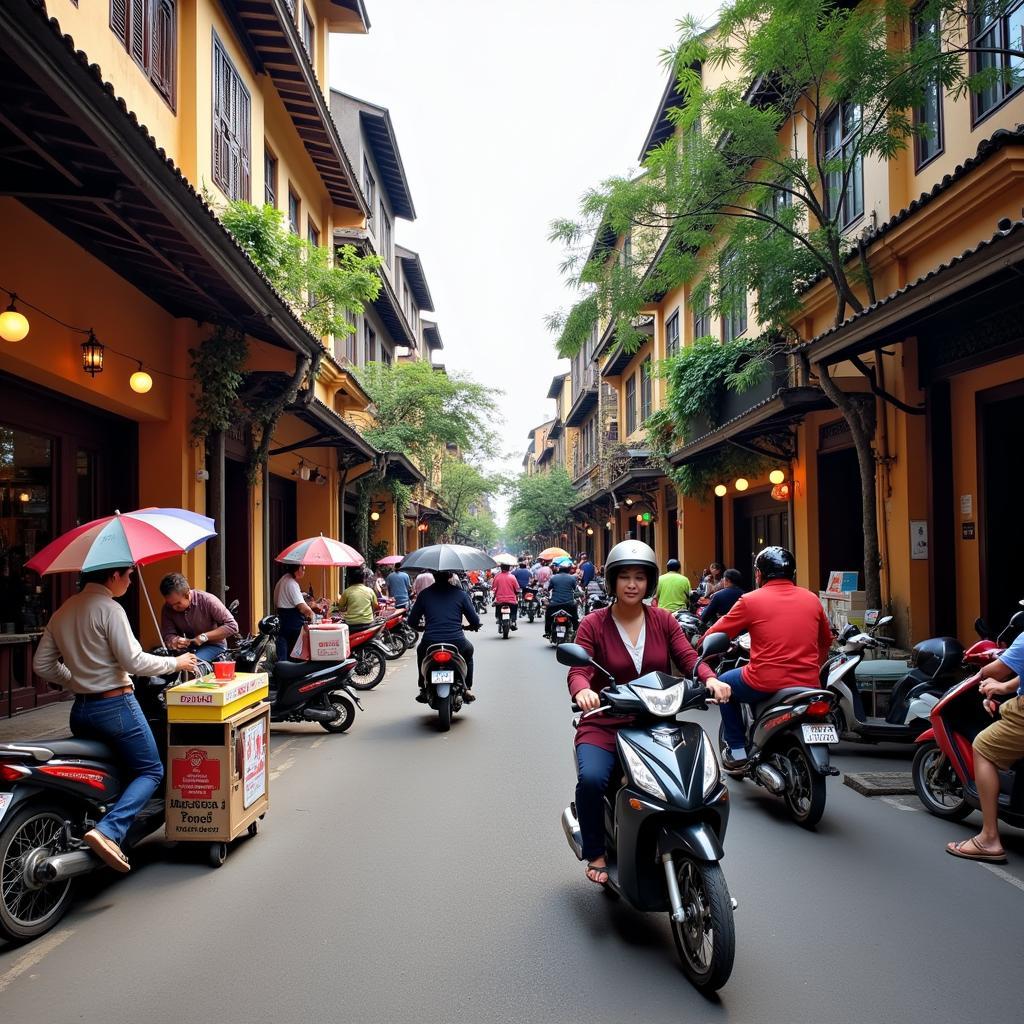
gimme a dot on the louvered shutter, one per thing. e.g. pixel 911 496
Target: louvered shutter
pixel 163 47
pixel 219 165
pixel 242 134
pixel 119 19
pixel 137 25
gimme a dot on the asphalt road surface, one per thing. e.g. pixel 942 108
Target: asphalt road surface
pixel 403 875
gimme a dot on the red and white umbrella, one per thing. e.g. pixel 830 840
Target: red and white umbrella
pixel 322 551
pixel 391 560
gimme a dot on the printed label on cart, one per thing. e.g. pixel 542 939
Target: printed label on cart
pixel 254 762
pixel 196 776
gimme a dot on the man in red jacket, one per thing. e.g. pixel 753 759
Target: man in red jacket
pixel 789 641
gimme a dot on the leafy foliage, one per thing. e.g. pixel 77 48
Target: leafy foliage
pixel 217 365
pixel 323 291
pixel 462 485
pixel 479 530
pixel 539 506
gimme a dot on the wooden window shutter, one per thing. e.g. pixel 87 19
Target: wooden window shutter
pixel 242 135
pixel 138 30
pixel 119 19
pixel 219 167
pixel 163 48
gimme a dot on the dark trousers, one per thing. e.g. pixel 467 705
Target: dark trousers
pixel 514 605
pixel 552 608
pixel 595 767
pixel 465 649
pixel 732 713
pixel 291 627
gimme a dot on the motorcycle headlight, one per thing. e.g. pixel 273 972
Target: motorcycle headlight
pixel 662 702
pixel 640 773
pixel 712 775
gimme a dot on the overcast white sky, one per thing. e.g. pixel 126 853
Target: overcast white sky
pixel 505 113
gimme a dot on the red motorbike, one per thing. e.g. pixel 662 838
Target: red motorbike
pixel 396 638
pixel 369 652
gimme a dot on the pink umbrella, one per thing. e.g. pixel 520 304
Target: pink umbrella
pixel 391 560
pixel 322 551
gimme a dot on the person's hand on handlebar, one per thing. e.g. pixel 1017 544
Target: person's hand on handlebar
pixel 588 700
pixel 721 691
pixel 186 662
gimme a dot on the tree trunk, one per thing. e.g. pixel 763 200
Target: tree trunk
pixel 859 415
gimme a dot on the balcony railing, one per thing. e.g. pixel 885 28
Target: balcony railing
pixel 585 380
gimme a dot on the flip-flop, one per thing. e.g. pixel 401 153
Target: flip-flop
pixel 601 869
pixel 958 850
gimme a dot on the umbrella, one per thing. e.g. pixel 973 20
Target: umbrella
pixel 391 560
pixel 132 538
pixel 563 561
pixel 448 558
pixel 506 559
pixel 322 551
pixel 549 553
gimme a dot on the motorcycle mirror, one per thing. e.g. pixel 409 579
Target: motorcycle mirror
pixel 234 606
pixel 269 625
pixel 714 643
pixel 883 621
pixel 573 655
pixel 850 631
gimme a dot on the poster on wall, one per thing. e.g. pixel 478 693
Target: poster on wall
pixel 254 762
pixel 918 539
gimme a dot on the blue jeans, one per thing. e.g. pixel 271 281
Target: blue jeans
pixel 119 722
pixel 732 715
pixel 595 767
pixel 210 651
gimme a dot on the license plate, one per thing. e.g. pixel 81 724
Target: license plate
pixel 820 734
pixel 5 802
pixel 440 676
pixel 505 613
pixel 529 597
pixel 560 631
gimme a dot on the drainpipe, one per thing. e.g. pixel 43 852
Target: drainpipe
pixel 268 595
pixel 215 510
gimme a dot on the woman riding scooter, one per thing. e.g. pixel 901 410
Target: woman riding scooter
pixel 629 639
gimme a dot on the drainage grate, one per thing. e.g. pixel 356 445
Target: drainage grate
pixel 880 783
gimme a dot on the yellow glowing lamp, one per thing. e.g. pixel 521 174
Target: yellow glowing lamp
pixel 776 476
pixel 24 497
pixel 140 381
pixel 375 516
pixel 742 484
pixel 721 490
pixel 13 325
pixel 590 531
pixel 639 517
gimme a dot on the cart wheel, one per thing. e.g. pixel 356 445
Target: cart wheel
pixel 218 854
pixel 254 829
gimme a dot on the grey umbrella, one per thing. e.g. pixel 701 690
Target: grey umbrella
pixel 450 557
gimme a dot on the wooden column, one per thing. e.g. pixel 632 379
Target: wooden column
pixel 215 510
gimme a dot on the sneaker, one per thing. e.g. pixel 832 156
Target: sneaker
pixel 734 759
pixel 421 697
pixel 107 850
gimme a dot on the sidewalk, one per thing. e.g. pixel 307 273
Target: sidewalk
pixel 43 723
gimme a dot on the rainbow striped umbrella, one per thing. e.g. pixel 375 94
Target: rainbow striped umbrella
pixel 320 551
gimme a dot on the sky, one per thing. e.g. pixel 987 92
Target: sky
pixel 505 113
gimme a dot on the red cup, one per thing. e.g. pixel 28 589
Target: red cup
pixel 224 669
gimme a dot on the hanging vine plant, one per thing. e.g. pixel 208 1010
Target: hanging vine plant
pixel 217 368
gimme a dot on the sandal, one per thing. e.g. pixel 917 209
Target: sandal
pixel 961 848
pixel 598 869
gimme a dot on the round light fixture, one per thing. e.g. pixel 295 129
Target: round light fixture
pixel 140 382
pixel 629 501
pixel 13 325
pixel 24 497
pixel 590 531
pixel 375 516
pixel 742 484
pixel 776 476
pixel 721 490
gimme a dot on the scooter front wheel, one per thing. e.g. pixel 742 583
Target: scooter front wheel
pixel 937 785
pixel 346 713
pixel 26 909
pixel 706 939
pixel 369 668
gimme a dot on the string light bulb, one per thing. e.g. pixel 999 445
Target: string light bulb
pixel 375 516
pixel 140 382
pixel 13 325
pixel 24 497
pixel 742 483
pixel 721 490
pixel 776 476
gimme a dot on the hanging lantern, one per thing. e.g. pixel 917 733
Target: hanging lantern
pixel 590 531
pixel 24 497
pixel 13 325
pixel 782 492
pixel 92 356
pixel 742 484
pixel 422 527
pixel 776 476
pixel 140 382
pixel 375 516
pixel 721 490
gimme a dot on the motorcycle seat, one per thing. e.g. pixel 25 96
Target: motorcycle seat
pixel 289 670
pixel 72 747
pixel 790 691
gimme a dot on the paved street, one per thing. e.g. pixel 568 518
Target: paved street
pixel 403 875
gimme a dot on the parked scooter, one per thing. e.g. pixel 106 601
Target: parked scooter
pixel 301 691
pixel 935 665
pixel 787 739
pixel 504 614
pixel 393 639
pixel 691 625
pixel 369 654
pixel 665 826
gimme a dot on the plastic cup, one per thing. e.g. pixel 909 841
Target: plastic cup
pixel 224 669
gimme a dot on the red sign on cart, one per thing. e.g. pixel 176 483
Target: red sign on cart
pixel 195 775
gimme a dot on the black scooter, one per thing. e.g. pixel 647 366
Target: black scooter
pixel 300 691
pixel 444 671
pixel 666 824
pixel 503 614
pixel 529 603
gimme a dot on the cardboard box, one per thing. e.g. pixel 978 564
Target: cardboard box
pixel 209 700
pixel 328 641
pixel 218 776
pixel 840 582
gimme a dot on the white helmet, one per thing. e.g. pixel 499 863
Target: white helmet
pixel 631 554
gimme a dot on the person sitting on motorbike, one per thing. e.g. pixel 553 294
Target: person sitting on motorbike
pixel 996 748
pixel 358 603
pixel 790 639
pixel 673 590
pixel 561 595
pixel 506 590
pixel 441 606
pixel 724 598
pixel 628 639
pixel 88 648
pixel 543 574
pixel 193 620
pixel 522 574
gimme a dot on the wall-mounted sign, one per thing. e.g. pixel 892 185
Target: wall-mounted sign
pixel 918 539
pixel 966 506
pixel 967 531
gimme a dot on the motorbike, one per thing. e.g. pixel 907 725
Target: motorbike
pixel 788 735
pixel 300 691
pixel 943 769
pixel 444 673
pixel 504 613
pixel 563 628
pixel 935 665
pixel 666 824
pixel 370 655
pixel 691 625
pixel 479 596
pixel 394 639
pixel 530 603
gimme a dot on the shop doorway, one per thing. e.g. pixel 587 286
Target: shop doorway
pixel 840 532
pixel 283 521
pixel 758 521
pixel 1000 414
pixel 238 541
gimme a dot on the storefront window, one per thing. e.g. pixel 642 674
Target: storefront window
pixel 26 521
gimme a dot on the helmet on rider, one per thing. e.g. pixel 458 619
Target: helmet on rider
pixel 631 554
pixel 775 563
pixel 673 565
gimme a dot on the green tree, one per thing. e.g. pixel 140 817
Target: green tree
pixel 322 290
pixel 539 509
pixel 730 206
pixel 461 486
pixel 421 411
pixel 479 530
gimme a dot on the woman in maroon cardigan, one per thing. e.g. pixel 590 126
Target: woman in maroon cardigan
pixel 629 639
